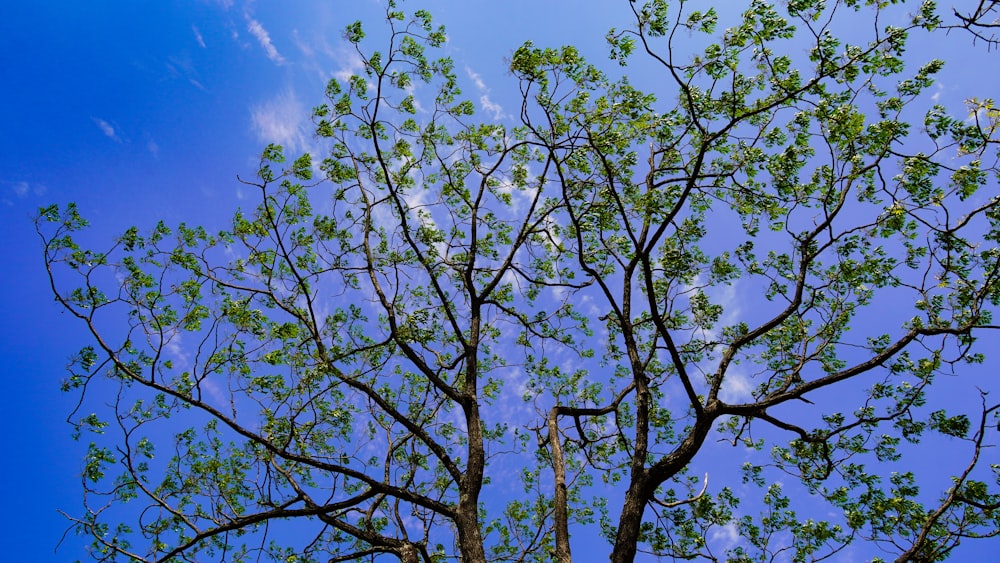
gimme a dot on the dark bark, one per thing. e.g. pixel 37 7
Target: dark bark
pixel 562 551
pixel 645 481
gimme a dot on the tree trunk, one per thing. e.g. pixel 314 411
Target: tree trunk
pixel 470 537
pixel 562 553
pixel 627 539
pixel 409 554
pixel 644 484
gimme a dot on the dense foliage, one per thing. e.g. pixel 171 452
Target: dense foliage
pixel 461 338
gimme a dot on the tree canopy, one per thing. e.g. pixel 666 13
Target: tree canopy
pixel 716 320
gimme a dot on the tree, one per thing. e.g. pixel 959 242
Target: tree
pixel 453 344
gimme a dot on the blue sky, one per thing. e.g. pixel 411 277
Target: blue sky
pixel 147 111
pixel 141 111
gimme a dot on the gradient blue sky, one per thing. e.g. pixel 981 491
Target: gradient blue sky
pixel 141 111
pixel 145 110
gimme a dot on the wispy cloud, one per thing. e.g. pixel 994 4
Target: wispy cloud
pixel 728 536
pixel 938 90
pixel 280 120
pixel 490 106
pixel 303 46
pixel 154 149
pixel 484 98
pixel 181 356
pixel 476 79
pixel 198 37
pixel 737 383
pixel 182 67
pixel 321 55
pixel 107 128
pixel 350 64
pixel 737 387
pixel 21 190
pixel 264 38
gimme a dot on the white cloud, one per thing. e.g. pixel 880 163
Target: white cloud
pixel 484 98
pixel 306 49
pixel 106 128
pixel 490 106
pixel 736 387
pixel 476 79
pixel 215 392
pixel 175 349
pixel 264 38
pixel 281 120
pixel 182 67
pixel 938 89
pixel 179 354
pixel 350 64
pixel 20 190
pixel 737 384
pixel 198 37
pixel 728 536
pixel 154 149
